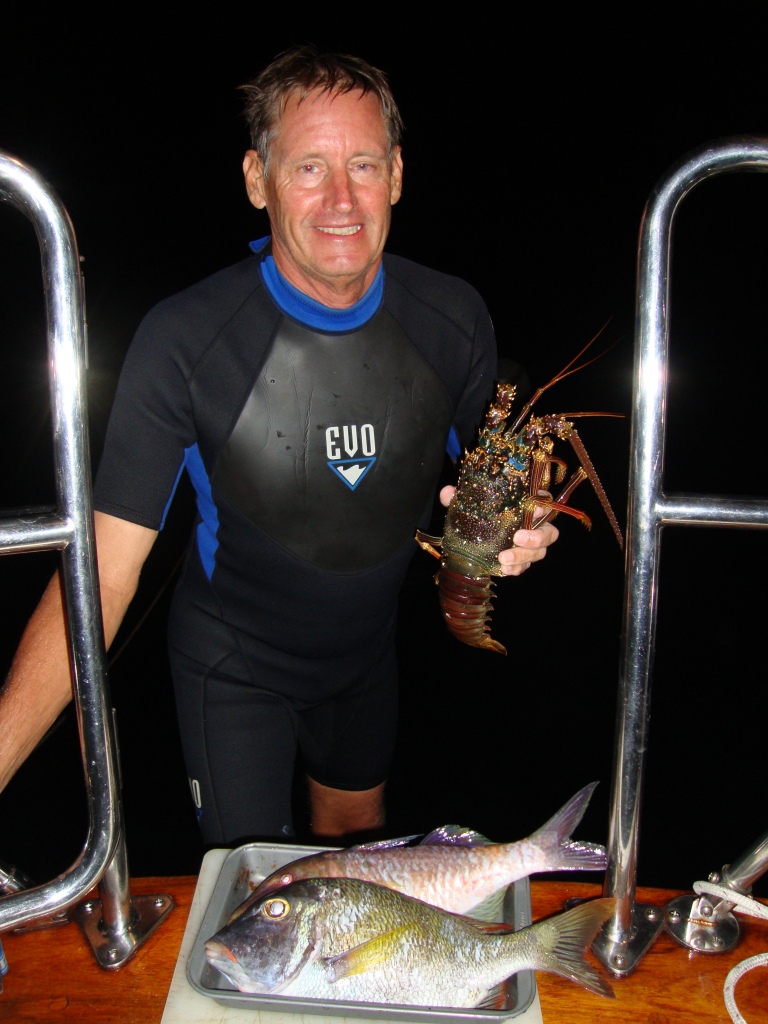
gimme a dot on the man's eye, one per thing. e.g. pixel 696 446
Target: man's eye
pixel 307 168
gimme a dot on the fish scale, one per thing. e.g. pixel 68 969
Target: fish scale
pixel 344 939
pixel 452 868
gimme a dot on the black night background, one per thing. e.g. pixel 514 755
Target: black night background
pixel 532 144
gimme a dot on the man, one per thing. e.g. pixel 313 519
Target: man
pixel 310 391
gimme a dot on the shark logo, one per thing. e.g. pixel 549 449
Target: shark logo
pixel 346 441
pixel 351 471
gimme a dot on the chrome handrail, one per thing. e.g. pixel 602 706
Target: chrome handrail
pixel 631 929
pixel 70 530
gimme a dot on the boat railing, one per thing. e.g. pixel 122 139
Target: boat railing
pixel 115 924
pixel 632 928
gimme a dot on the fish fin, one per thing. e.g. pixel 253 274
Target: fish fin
pixel 386 844
pixel 489 927
pixel 578 856
pixel 496 998
pixel 490 908
pixel 565 939
pixel 554 837
pixel 367 955
pixel 454 835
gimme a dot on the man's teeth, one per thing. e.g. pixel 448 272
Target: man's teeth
pixel 351 230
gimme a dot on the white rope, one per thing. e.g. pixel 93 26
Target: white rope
pixel 746 905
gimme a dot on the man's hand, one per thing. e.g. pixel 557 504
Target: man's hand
pixel 528 546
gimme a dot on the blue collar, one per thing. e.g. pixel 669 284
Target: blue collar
pixel 311 313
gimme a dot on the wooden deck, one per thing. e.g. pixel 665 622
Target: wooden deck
pixel 53 975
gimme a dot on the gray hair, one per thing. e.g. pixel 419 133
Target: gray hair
pixel 304 70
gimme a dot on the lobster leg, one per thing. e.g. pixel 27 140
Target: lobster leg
pixel 537 477
pixel 555 505
pixel 536 480
pixel 429 543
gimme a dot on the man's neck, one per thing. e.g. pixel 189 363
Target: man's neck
pixel 336 293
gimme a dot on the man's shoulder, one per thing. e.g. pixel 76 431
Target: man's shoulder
pixel 446 294
pixel 230 303
pixel 217 295
pixel 426 282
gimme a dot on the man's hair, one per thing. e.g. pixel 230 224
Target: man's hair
pixel 303 70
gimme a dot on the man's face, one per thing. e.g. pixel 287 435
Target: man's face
pixel 329 189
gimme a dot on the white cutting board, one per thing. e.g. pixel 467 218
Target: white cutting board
pixel 186 1006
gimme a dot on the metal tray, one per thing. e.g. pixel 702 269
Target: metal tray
pixel 248 865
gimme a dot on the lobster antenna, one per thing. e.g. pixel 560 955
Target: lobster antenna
pixel 575 415
pixel 566 371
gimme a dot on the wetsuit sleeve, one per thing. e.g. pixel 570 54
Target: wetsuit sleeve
pixel 150 427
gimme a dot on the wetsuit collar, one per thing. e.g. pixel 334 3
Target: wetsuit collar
pixel 307 311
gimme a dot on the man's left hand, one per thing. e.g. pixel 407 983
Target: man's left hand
pixel 528 546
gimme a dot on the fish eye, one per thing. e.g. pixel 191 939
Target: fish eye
pixel 276 908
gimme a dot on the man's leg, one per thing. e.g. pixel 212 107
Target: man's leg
pixel 340 812
pixel 239 747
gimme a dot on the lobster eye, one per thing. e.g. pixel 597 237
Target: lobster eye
pixel 276 908
pixel 286 879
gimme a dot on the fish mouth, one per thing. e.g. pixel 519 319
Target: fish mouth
pixel 217 953
pixel 224 960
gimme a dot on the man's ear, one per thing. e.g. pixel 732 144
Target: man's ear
pixel 397 175
pixel 253 172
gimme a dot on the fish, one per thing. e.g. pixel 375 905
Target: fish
pixel 345 939
pixel 453 868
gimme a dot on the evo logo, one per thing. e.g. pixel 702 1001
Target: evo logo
pixel 347 441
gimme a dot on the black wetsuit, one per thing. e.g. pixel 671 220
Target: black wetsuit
pixel 314 439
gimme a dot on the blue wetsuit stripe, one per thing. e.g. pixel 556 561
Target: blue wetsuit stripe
pixel 452 446
pixel 314 314
pixel 207 541
pixel 170 496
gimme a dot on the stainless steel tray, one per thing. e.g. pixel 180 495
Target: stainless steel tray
pixel 248 865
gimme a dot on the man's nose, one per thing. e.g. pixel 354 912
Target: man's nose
pixel 341 191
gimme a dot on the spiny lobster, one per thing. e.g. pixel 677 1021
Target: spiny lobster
pixel 503 483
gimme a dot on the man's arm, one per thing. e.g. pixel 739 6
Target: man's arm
pixel 38 686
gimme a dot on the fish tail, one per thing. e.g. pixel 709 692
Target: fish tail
pixel 564 940
pixel 554 837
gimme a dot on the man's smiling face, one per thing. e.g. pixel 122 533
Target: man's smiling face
pixel 329 188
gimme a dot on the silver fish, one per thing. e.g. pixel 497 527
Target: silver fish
pixel 343 939
pixel 452 868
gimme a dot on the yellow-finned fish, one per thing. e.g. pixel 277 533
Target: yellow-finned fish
pixel 452 868
pixel 343 939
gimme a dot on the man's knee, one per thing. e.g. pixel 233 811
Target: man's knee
pixel 343 812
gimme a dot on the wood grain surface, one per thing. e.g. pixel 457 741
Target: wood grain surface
pixel 53 975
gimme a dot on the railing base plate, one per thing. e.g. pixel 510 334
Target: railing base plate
pixel 687 921
pixel 621 958
pixel 112 951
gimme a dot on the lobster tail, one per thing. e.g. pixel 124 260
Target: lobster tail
pixel 466 606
